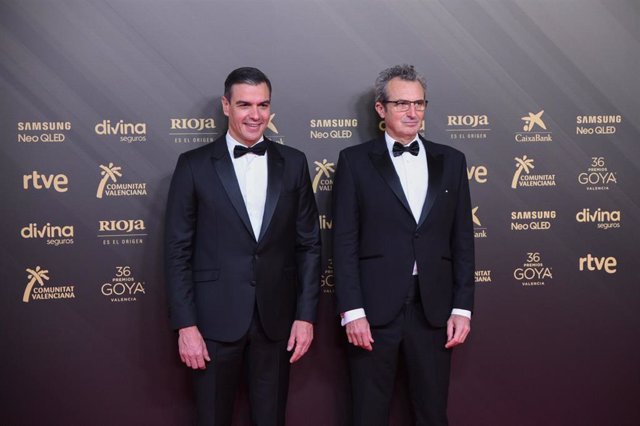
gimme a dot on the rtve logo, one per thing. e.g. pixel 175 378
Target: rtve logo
pixel 37 180
pixel 594 263
pixel 477 173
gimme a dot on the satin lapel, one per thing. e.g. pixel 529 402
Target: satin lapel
pixel 380 158
pixel 275 170
pixel 434 162
pixel 224 167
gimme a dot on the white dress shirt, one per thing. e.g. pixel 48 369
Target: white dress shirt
pixel 413 172
pixel 251 172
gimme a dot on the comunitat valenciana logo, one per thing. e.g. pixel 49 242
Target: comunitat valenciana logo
pixel 37 290
pixel 123 287
pixel 533 271
pixel 468 127
pixel 323 180
pixel 524 178
pixel 534 129
pixel 482 276
pixel 109 186
pixel 125 132
pixel 332 128
pixel 193 130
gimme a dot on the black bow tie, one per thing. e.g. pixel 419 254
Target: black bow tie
pixel 257 149
pixel 399 149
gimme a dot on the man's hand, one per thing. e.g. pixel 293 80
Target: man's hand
pixel 359 333
pixel 458 328
pixel 300 338
pixel 192 349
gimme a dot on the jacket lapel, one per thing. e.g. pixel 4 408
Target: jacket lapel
pixel 275 170
pixel 224 168
pixel 380 158
pixel 434 162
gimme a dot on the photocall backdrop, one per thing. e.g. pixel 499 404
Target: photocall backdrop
pixel 100 97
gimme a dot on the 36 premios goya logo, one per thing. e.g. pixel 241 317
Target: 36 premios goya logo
pixel 193 130
pixel 110 186
pixel 327 283
pixel 534 129
pixel 468 127
pixel 598 177
pixel 123 286
pixel 332 128
pixel 43 131
pixel 38 288
pixel 524 178
pixel 122 232
pixel 533 271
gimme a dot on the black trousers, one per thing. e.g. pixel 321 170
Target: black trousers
pixel 266 364
pixel 428 364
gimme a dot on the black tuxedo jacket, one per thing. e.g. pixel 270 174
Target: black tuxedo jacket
pixel 376 238
pixel 217 270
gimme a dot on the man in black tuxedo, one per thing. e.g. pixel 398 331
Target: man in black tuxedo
pixel 242 248
pixel 403 256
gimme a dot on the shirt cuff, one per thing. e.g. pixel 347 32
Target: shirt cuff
pixel 351 315
pixel 461 312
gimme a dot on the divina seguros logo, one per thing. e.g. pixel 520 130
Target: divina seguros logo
pixel 53 235
pixel 602 219
pixel 127 132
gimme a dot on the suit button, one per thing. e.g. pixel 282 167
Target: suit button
pixel 253 283
pixel 256 257
pixel 416 235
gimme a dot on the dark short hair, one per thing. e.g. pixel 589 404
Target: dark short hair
pixel 404 72
pixel 245 75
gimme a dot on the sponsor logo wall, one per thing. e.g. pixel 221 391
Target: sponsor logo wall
pixel 90 143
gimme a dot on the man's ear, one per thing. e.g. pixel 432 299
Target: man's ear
pixel 225 105
pixel 380 109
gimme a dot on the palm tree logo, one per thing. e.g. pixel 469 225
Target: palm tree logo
pixel 270 124
pixel 523 163
pixel 35 276
pixel 108 172
pixel 323 169
pixel 475 218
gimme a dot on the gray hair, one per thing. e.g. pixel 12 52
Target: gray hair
pixel 404 72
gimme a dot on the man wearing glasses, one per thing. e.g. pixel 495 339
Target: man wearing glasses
pixel 403 256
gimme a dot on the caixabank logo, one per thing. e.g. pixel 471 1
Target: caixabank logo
pixel 123 286
pixel 327 283
pixel 122 131
pixel 122 232
pixel 323 179
pixel 533 271
pixel 332 128
pixel 38 288
pixel 110 185
pixel 479 231
pixel 598 177
pixel 470 127
pixel 49 234
pixel 524 178
pixel 600 218
pixel 534 129
pixel 32 132
pixel 597 124
pixel 193 130
pixel 591 263
pixel 272 132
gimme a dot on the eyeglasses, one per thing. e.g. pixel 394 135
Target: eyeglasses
pixel 402 105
